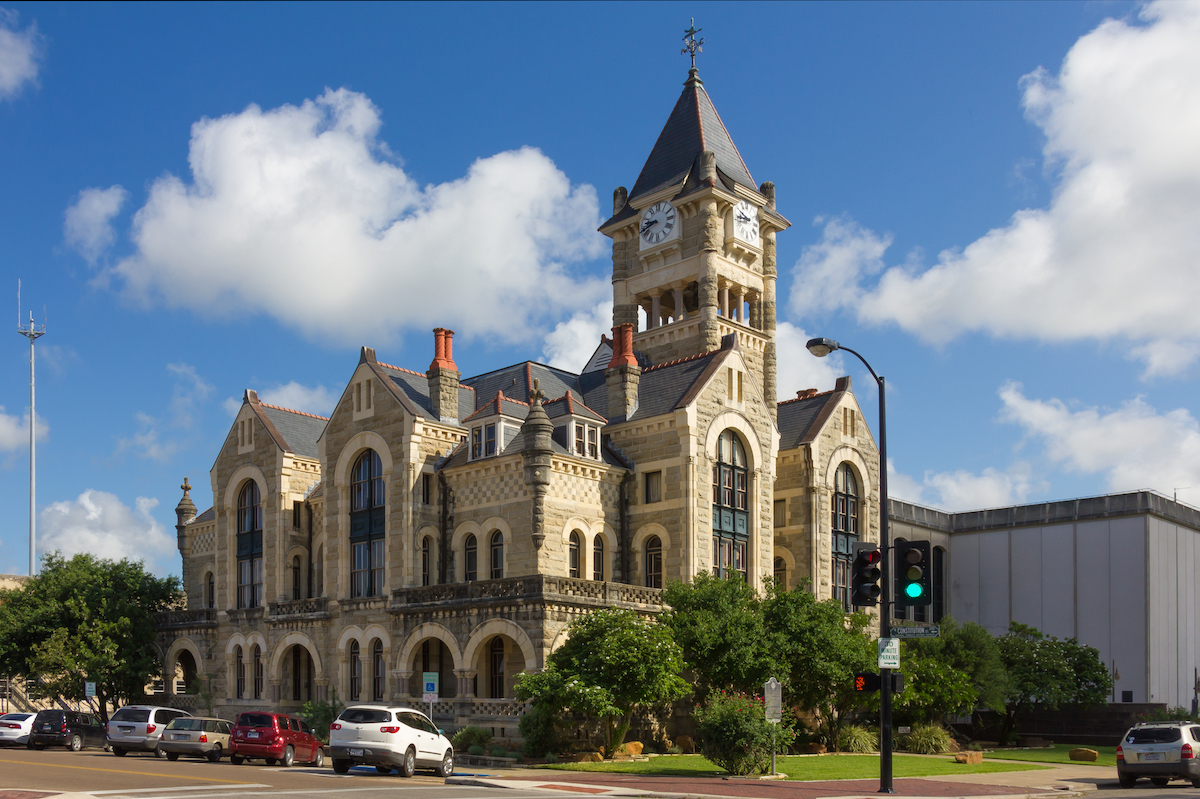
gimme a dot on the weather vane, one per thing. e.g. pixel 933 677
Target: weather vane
pixel 691 45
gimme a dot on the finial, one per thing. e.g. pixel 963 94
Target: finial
pixel 537 395
pixel 690 45
pixel 186 486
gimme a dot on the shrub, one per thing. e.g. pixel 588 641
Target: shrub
pixel 975 746
pixel 732 731
pixel 926 739
pixel 675 750
pixel 320 715
pixel 539 726
pixel 476 750
pixel 1168 714
pixel 551 757
pixel 499 751
pixel 469 737
pixel 859 740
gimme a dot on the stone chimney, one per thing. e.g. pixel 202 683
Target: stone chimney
pixel 623 374
pixel 537 431
pixel 443 377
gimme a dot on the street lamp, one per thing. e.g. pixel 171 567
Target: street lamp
pixel 821 347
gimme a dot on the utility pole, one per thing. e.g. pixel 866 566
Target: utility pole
pixel 33 333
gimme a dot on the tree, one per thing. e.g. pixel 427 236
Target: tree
pixel 86 619
pixel 819 648
pixel 953 673
pixel 719 625
pixel 613 663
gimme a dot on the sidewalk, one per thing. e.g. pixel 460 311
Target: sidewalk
pixel 1054 781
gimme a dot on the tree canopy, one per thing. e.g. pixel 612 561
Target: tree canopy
pixel 86 619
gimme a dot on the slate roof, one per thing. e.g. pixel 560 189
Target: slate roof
pixel 570 404
pixel 501 404
pixel 694 126
pixel 801 419
pixel 516 381
pixel 207 516
pixel 300 430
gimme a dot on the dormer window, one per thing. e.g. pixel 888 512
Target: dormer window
pixel 489 439
pixel 587 441
pixel 484 441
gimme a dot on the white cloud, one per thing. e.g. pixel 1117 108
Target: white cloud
pixel 303 214
pixel 14 431
pixel 571 342
pixel 317 399
pixel 798 369
pixel 963 490
pixel 19 51
pixel 99 523
pixel 834 267
pixel 160 438
pixel 1113 256
pixel 1133 446
pixel 88 223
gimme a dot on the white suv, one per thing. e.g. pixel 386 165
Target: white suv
pixel 1160 750
pixel 388 738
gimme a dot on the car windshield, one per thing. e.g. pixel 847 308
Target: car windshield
pixel 186 723
pixel 1153 735
pixel 364 715
pixel 255 720
pixel 134 714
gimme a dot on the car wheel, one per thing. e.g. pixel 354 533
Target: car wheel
pixel 118 751
pixel 341 766
pixel 384 769
pixel 289 757
pixel 318 757
pixel 215 754
pixel 1160 781
pixel 410 763
pixel 172 756
pixel 237 760
pixel 270 761
pixel 38 747
pixel 76 743
pixel 447 767
pixel 159 752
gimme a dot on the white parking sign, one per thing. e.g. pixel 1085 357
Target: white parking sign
pixel 889 653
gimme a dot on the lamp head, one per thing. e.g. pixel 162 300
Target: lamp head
pixel 821 347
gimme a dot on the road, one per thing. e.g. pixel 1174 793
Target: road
pixel 143 777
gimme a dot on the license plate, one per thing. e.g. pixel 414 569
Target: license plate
pixel 126 730
pixel 1148 756
pixel 355 753
pixel 181 736
pixel 45 728
pixel 251 735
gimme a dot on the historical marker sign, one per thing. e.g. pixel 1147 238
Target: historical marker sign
pixel 773 693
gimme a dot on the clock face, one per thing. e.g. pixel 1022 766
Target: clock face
pixel 745 222
pixel 658 221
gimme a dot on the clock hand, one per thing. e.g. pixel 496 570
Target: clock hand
pixel 648 225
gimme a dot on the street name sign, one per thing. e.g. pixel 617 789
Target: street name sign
pixel 917 631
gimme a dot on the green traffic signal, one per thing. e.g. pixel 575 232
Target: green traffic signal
pixel 913 590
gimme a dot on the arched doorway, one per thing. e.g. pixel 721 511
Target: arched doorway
pixel 299 674
pixel 498 661
pixel 432 655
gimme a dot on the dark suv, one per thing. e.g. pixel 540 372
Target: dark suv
pixel 66 728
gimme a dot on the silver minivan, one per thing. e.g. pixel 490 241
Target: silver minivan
pixel 139 728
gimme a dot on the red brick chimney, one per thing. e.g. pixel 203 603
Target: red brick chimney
pixel 623 374
pixel 443 376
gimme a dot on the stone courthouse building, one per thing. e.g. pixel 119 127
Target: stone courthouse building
pixel 457 524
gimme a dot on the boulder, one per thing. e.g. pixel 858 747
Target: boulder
pixel 686 744
pixel 1089 755
pixel 630 748
pixel 970 758
pixel 588 757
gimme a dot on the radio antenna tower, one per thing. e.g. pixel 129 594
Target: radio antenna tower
pixel 33 333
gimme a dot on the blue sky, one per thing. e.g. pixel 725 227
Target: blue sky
pixel 995 202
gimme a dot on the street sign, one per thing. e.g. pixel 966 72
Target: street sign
pixel 430 680
pixel 89 689
pixel 889 653
pixel 429 699
pixel 773 693
pixel 917 631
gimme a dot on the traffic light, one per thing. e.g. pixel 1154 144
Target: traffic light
pixel 866 682
pixel 912 574
pixel 864 582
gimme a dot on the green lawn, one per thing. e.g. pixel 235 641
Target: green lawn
pixel 1108 755
pixel 827 767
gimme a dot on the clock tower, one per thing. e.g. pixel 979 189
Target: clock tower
pixel 694 245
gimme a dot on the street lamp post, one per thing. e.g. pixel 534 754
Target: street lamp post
pixel 821 347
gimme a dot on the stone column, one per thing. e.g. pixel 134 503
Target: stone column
pixel 740 313
pixel 322 688
pixel 725 300
pixel 712 241
pixel 770 387
pixel 276 691
pixel 680 311
pixel 655 317
pixel 400 681
pixel 464 700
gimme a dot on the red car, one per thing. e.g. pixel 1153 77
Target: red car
pixel 275 738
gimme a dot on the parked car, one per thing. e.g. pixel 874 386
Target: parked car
pixel 14 728
pixel 139 728
pixel 196 736
pixel 1160 750
pixel 68 728
pixel 276 738
pixel 389 738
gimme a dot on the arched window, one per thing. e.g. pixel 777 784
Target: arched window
pixel 496 653
pixel 573 554
pixel 426 560
pixel 781 574
pixel 296 578
pixel 471 559
pixel 210 591
pixel 240 672
pixel 366 525
pixel 258 672
pixel 598 557
pixel 355 672
pixel 377 672
pixel 654 562
pixel 731 520
pixel 249 546
pixel 845 531
pixel 497 552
